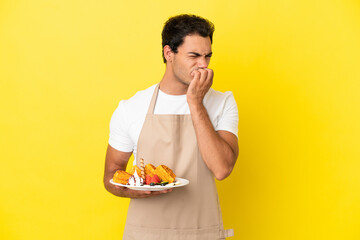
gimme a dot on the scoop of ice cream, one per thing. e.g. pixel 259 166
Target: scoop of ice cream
pixel 135 180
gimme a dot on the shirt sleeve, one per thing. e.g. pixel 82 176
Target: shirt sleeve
pixel 119 136
pixel 229 118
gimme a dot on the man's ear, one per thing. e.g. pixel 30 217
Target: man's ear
pixel 168 53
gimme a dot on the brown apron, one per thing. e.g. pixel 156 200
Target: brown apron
pixel 186 213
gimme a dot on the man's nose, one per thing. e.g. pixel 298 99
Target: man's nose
pixel 202 63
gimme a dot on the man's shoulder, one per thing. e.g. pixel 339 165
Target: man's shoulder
pixel 216 101
pixel 215 96
pixel 138 99
pixel 136 106
pixel 141 95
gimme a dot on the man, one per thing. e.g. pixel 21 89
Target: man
pixel 184 124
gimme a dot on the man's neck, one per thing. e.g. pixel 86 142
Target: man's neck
pixel 170 85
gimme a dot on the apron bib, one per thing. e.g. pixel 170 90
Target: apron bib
pixel 189 212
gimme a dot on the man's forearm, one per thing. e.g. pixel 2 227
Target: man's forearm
pixel 216 152
pixel 116 190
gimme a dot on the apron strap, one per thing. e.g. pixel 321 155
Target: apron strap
pixel 153 99
pixel 227 233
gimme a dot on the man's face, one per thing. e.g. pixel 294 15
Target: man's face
pixel 194 53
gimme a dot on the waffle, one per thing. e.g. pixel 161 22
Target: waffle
pixel 149 169
pixel 165 173
pixel 132 171
pixel 121 177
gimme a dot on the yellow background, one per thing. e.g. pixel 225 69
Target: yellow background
pixel 293 67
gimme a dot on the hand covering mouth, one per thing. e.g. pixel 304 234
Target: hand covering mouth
pixel 191 73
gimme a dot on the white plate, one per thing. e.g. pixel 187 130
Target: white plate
pixel 179 182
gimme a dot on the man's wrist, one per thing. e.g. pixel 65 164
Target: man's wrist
pixel 196 106
pixel 198 112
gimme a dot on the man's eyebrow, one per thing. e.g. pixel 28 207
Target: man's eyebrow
pixel 198 54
